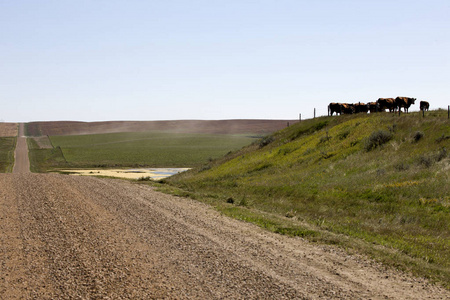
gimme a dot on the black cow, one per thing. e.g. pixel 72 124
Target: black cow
pixel 360 107
pixel 424 105
pixel 334 108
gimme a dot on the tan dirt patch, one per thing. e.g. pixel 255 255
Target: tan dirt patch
pixel 8 129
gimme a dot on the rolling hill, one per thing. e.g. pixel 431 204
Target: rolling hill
pixel 177 126
pixel 373 183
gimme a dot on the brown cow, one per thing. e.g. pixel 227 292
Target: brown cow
pixel 334 107
pixel 373 107
pixel 424 105
pixel 405 102
pixel 387 103
pixel 347 108
pixel 360 107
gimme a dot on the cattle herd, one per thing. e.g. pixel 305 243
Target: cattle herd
pixel 380 105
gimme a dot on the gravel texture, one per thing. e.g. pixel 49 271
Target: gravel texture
pixel 69 237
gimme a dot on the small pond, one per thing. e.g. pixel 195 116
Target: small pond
pixel 153 173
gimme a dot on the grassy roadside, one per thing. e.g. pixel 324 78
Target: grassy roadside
pixel 44 159
pixel 375 184
pixel 7 147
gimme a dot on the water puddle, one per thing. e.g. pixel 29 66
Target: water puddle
pixel 152 173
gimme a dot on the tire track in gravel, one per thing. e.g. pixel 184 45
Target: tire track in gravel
pixel 71 237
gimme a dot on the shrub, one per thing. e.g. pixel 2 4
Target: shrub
pixel 290 214
pixel 266 141
pixel 377 139
pixel 425 161
pixel 243 201
pixel 320 125
pixel 205 168
pixel 392 128
pixel 401 166
pixel 418 136
pixel 230 200
pixel 428 160
pixel 441 154
pixel 324 138
pixel 343 135
pixel 326 155
pixel 442 138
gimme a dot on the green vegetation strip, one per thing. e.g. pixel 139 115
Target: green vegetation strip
pixel 141 149
pixel 377 184
pixel 7 148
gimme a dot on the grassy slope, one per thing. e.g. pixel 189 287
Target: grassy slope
pixel 43 160
pixel 153 149
pixel 7 147
pixel 318 180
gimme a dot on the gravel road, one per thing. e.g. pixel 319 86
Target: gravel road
pixel 68 237
pixel 22 162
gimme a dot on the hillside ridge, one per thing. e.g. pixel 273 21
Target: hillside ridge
pixel 363 181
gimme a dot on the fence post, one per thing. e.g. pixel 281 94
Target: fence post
pixel 448 112
pixel 299 117
pixel 314 113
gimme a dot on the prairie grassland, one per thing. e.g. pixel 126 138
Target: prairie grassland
pixel 378 184
pixel 7 147
pixel 139 149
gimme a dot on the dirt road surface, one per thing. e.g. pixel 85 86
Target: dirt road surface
pixel 69 237
pixel 21 160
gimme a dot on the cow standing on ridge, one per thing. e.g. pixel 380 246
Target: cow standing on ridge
pixel 387 103
pixel 424 105
pixel 347 108
pixel 405 102
pixel 373 107
pixel 360 108
pixel 334 108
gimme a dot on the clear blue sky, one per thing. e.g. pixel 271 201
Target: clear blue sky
pixel 165 60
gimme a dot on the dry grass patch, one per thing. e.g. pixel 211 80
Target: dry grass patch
pixel 8 129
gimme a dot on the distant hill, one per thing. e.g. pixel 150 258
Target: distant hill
pixel 377 183
pixel 261 127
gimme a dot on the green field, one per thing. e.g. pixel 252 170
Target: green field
pixel 376 183
pixel 140 149
pixel 7 147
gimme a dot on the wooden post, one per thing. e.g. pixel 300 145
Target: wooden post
pixel 299 117
pixel 448 112
pixel 314 113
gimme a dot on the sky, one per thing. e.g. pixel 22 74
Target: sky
pixel 104 60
